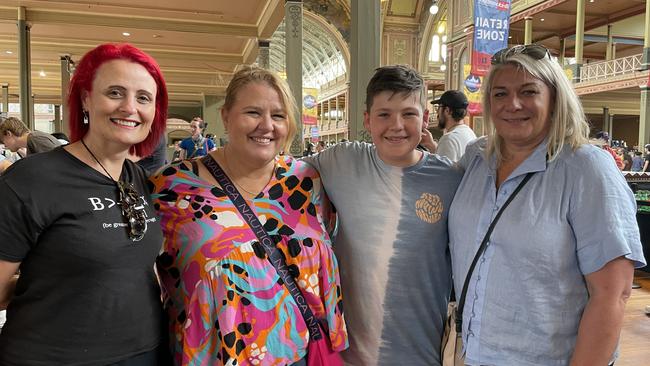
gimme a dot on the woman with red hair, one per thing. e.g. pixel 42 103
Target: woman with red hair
pixel 78 223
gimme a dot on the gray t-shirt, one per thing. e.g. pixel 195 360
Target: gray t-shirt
pixel 38 142
pixel 453 143
pixel 392 246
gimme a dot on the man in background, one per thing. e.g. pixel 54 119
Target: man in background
pixel 452 109
pixel 15 136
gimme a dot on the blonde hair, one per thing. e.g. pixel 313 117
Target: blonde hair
pixel 568 122
pixel 254 74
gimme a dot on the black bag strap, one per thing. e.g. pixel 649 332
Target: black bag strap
pixel 275 256
pixel 481 249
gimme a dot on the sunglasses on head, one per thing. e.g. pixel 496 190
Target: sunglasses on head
pixel 533 51
pixel 132 210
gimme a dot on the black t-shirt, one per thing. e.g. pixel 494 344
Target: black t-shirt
pixel 87 294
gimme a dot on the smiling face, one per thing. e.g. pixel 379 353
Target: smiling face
pixel 195 128
pixel 521 108
pixel 122 104
pixel 395 122
pixel 257 124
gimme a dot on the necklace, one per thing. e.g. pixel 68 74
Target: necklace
pixel 132 210
pixel 97 160
pixel 225 159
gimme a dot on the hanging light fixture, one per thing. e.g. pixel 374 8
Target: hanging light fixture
pixel 434 8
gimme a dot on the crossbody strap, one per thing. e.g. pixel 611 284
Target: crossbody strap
pixel 275 256
pixel 481 249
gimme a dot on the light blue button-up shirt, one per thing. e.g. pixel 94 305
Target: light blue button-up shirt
pixel 527 293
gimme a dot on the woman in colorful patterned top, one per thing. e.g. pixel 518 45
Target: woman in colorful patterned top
pixel 226 303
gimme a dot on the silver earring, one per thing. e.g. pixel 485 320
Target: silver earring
pixel 86 120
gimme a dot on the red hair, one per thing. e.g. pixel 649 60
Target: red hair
pixel 83 81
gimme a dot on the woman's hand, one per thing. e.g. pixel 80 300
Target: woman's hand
pixel 7 282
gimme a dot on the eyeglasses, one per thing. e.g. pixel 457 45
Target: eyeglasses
pixel 132 210
pixel 533 51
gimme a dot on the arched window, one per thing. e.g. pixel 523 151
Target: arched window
pixel 434 54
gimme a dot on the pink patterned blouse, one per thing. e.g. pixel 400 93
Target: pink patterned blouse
pixel 223 297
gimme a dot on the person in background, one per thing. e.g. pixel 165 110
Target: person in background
pixel 309 149
pixel 637 161
pixel 176 155
pixel 602 140
pixel 79 224
pixel 16 136
pixel 320 146
pixel 646 158
pixel 225 301
pixel 551 285
pixel 625 156
pixel 452 109
pixel 196 145
pixel 392 202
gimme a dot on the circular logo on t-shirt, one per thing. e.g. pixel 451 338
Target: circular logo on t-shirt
pixel 429 208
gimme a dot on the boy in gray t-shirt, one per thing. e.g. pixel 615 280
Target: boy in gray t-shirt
pixel 392 201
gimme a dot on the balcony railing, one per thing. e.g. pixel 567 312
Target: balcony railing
pixel 606 69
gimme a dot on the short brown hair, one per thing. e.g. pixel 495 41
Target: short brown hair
pixel 398 79
pixel 13 125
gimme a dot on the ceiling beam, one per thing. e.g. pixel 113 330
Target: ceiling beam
pixel 604 20
pixel 80 47
pixel 48 16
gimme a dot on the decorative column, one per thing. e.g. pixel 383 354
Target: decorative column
pixel 329 113
pixel 364 59
pixel 66 66
pixel 338 114
pixel 5 99
pixel 24 54
pixel 263 59
pixel 610 43
pixel 580 38
pixel 562 51
pixel 606 120
pixel 57 119
pixel 644 117
pixel 528 30
pixel 645 60
pixel 346 112
pixel 293 44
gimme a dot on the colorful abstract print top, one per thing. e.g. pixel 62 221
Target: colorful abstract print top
pixel 226 302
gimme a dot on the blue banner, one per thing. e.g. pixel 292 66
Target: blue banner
pixel 491 25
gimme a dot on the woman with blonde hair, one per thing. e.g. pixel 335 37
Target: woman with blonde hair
pixel 226 302
pixel 542 229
